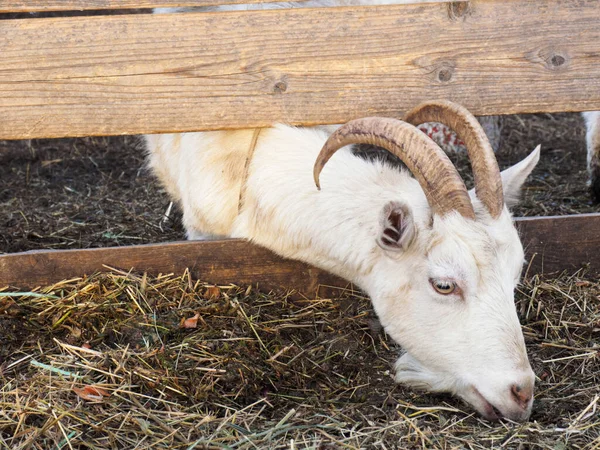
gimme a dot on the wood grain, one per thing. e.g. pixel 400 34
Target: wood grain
pixel 221 262
pixel 133 74
pixel 7 6
pixel 552 243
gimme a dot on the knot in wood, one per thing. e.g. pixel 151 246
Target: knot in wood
pixel 279 87
pixel 445 74
pixel 557 60
pixel 554 57
pixel 458 10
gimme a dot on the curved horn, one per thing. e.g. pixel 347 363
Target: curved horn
pixel 443 187
pixel 488 183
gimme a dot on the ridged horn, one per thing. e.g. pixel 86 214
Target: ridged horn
pixel 488 183
pixel 443 187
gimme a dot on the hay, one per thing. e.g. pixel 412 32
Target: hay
pixel 114 361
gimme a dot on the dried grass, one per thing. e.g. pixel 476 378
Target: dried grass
pixel 264 371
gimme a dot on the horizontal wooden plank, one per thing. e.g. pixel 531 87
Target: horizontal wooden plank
pixel 555 244
pixel 160 73
pixel 221 262
pixel 21 6
pixel 552 243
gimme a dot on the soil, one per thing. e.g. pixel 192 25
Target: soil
pixel 96 192
pixel 79 193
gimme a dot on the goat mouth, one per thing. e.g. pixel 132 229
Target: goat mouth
pixel 488 410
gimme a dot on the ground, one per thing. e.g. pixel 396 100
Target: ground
pixel 124 361
pixel 128 361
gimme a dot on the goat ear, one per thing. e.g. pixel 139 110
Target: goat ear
pixel 397 227
pixel 514 177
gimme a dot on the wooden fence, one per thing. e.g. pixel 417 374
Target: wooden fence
pixel 143 73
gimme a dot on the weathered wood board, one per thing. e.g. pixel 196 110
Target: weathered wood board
pixel 221 262
pixel 552 244
pixel 130 74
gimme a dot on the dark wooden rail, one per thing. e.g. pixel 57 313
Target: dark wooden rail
pixel 552 243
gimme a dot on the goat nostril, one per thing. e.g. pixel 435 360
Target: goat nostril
pixel 522 395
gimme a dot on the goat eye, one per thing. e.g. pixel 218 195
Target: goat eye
pixel 443 287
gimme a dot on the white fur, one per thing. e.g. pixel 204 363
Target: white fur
pixel 469 344
pixel 592 121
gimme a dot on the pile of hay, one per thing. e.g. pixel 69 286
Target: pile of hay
pixel 121 360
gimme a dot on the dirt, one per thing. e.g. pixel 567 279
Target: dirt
pixel 96 192
pixel 79 193
pixel 558 185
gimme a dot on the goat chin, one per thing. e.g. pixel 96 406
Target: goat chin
pixel 412 373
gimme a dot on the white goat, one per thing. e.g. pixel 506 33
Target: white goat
pixel 440 265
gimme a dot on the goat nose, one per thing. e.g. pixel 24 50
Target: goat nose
pixel 522 394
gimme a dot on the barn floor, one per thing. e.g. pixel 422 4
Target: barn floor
pixel 95 192
pixel 124 361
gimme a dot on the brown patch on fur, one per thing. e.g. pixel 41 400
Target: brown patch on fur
pixel 257 214
pixel 233 167
pixel 234 147
pixel 264 215
pixel 434 242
